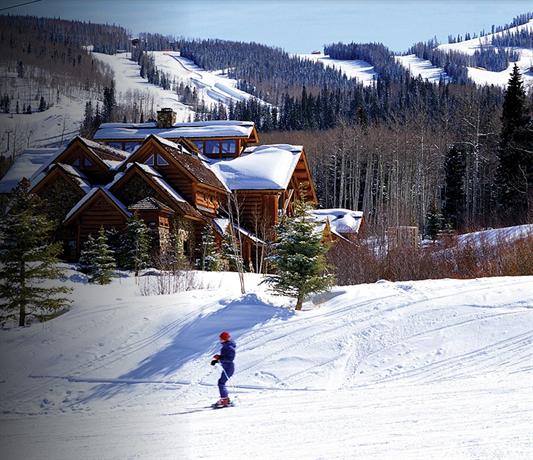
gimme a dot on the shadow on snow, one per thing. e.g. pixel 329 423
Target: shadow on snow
pixel 197 339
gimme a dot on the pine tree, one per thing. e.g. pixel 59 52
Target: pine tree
pixel 42 104
pixel 299 258
pixel 211 260
pixel 109 103
pixel 134 253
pixel 28 258
pixel 454 204
pixel 434 222
pixel 87 256
pixel 514 176
pixel 97 260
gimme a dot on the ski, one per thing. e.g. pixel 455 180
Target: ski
pixel 217 406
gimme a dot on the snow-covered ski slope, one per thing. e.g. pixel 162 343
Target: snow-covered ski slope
pixel 131 86
pixel 53 127
pixel 212 87
pixel 482 76
pixel 357 69
pixel 440 369
pixel 423 68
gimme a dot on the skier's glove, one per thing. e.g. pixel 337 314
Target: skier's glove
pixel 217 357
pixel 214 362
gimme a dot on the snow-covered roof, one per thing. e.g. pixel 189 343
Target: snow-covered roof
pixel 89 195
pixel 197 129
pixel 29 162
pixel 221 225
pixel 495 235
pixel 76 175
pixel 342 221
pixel 263 167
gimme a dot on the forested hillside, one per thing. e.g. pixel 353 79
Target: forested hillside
pixel 45 67
pixel 401 149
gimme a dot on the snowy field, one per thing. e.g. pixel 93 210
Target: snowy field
pixel 411 370
pixel 358 69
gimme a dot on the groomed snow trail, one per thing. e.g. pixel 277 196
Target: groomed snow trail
pixel 439 369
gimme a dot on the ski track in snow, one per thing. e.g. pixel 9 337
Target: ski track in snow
pixel 408 370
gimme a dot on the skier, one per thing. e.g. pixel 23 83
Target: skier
pixel 226 357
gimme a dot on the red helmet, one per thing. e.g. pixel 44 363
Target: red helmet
pixel 225 336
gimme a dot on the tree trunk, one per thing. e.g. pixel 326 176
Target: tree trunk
pixel 299 301
pixel 22 314
pixel 22 299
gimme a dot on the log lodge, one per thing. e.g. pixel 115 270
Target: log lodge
pixel 178 177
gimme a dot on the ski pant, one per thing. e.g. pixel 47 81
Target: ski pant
pixel 228 371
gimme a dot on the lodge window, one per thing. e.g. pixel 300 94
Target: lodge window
pixel 76 162
pixel 161 161
pixel 87 163
pixel 221 148
pixel 150 160
pixel 212 147
pixel 228 146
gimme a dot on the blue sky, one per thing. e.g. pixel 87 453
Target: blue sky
pixel 295 25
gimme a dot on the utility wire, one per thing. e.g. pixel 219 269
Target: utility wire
pixel 20 4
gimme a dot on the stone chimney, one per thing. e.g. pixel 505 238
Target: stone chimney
pixel 166 118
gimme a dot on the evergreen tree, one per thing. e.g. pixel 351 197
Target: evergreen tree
pixel 211 259
pixel 514 112
pixel 231 252
pixel 87 256
pixel 434 222
pixel 42 104
pixel 173 257
pixel 97 260
pixel 299 258
pixel 28 258
pixel 134 252
pixel 514 176
pixel 454 204
pixel 109 103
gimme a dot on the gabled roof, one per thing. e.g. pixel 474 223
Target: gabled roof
pixel 90 197
pixel 197 129
pixel 69 171
pixel 265 167
pixel 106 157
pixel 150 203
pixel 195 166
pixel 104 152
pixel 157 181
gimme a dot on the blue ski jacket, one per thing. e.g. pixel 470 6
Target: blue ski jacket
pixel 227 352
